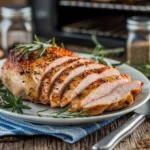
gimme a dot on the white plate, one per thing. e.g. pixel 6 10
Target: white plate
pixel 30 115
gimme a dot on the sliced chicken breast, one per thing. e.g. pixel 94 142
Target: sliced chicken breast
pixel 30 71
pixel 79 83
pixel 40 72
pixel 60 77
pixel 120 97
pixel 98 89
pixel 52 76
pixel 66 77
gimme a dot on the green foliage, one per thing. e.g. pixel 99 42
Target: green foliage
pixel 99 53
pixel 63 113
pixel 9 101
pixel 26 49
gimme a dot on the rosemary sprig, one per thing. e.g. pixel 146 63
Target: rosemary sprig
pixel 9 101
pixel 100 52
pixel 63 113
pixel 62 45
pixel 26 49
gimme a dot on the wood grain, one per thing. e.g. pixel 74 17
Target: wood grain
pixel 51 143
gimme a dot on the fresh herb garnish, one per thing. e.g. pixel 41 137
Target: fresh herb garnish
pixel 9 101
pixel 100 52
pixel 63 113
pixel 26 49
pixel 62 45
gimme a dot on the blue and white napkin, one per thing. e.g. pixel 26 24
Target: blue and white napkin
pixel 69 134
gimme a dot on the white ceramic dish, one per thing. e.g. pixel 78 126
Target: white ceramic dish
pixel 31 116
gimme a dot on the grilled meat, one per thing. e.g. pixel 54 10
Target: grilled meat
pixel 59 77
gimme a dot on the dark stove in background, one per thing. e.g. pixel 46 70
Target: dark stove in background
pixel 75 21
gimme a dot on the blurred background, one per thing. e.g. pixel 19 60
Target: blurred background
pixel 74 21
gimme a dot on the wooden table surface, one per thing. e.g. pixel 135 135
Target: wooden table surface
pixel 134 141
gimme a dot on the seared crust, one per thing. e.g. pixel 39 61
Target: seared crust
pixel 57 89
pixel 29 72
pixel 49 80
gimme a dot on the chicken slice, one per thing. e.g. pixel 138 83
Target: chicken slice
pixel 52 76
pixel 79 83
pixel 40 72
pixel 98 89
pixel 120 97
pixel 66 77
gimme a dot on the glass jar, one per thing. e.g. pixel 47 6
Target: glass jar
pixel 138 42
pixel 16 26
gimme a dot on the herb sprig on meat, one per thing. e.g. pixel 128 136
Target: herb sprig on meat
pixel 26 49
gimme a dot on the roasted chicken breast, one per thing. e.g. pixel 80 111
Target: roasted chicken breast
pixel 60 77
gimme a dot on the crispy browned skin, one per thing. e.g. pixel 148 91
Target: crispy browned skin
pixel 27 74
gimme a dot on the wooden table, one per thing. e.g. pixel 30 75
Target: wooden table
pixel 52 143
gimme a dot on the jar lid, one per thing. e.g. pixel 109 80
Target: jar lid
pixel 138 23
pixel 16 12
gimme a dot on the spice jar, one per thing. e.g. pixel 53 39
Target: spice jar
pixel 138 43
pixel 16 26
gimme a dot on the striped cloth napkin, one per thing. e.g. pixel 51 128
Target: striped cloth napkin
pixel 69 134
